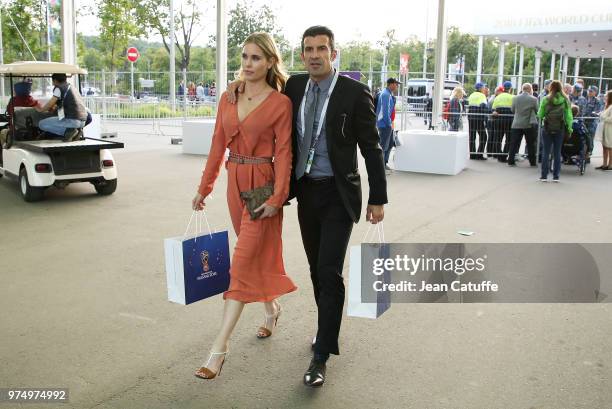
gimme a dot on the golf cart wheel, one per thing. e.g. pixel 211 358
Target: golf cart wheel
pixel 107 187
pixel 29 193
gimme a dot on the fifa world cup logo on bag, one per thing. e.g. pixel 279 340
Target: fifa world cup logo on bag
pixel 204 256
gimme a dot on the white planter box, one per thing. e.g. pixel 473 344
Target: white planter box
pixel 197 136
pixel 440 152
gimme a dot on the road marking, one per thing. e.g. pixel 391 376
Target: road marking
pixel 137 317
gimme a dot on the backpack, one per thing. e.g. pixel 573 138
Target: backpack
pixel 376 97
pixel 555 117
pixel 446 111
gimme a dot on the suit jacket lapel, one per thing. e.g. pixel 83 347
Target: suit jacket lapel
pixel 332 110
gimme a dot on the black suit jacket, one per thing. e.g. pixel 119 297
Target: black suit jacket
pixel 350 122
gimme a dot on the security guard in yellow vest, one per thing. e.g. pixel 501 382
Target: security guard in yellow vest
pixel 501 118
pixel 477 121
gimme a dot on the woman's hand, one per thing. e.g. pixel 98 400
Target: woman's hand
pixel 198 202
pixel 233 89
pixel 268 211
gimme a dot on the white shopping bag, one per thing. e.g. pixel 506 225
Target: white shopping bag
pixel 198 265
pixel 355 307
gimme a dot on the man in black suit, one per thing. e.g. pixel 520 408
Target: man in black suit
pixel 332 115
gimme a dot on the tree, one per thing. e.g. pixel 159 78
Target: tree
pixel 24 30
pixel 246 19
pixel 117 26
pixel 154 16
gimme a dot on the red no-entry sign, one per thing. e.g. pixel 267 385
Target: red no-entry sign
pixel 132 54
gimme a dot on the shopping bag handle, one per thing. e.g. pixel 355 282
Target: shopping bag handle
pixel 380 228
pixel 199 224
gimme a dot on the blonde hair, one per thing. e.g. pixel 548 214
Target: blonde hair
pixel 277 76
pixel 457 93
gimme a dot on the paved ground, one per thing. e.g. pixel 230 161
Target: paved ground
pixel 83 300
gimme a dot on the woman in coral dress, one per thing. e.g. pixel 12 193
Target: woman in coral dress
pixel 257 131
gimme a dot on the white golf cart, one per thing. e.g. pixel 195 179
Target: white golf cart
pixel 40 163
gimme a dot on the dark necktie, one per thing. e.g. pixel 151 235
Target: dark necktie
pixel 308 133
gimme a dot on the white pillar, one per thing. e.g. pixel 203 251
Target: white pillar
pixel 520 69
pixel 479 60
pixel 172 95
pixel 426 39
pixel 1 56
pixel 440 69
pixel 564 69
pixel 221 49
pixel 68 33
pixel 425 61
pixel 601 73
pixel 552 66
pixel 576 68
pixel 500 63
pixel 536 68
pixel 132 96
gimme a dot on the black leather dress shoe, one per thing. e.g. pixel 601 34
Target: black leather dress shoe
pixel 315 375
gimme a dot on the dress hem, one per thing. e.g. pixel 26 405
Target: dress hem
pixel 235 295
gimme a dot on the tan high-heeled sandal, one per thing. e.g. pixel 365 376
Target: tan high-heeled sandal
pixel 205 373
pixel 263 331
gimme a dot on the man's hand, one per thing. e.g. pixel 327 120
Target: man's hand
pixel 268 211
pixel 233 89
pixel 375 213
pixel 198 202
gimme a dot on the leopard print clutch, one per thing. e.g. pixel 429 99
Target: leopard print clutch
pixel 255 198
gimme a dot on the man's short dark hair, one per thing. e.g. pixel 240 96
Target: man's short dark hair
pixel 319 30
pixel 59 77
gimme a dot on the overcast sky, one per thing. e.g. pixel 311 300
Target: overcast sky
pixel 369 20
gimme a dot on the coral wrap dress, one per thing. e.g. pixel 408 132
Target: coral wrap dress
pixel 257 270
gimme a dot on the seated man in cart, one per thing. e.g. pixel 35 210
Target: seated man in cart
pixel 71 111
pixel 22 99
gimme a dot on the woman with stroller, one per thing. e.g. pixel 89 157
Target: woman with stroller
pixel 605 133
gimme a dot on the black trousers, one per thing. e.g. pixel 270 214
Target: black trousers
pixel 515 143
pixel 326 229
pixel 477 126
pixel 500 133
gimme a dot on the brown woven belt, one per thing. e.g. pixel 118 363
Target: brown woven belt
pixel 242 159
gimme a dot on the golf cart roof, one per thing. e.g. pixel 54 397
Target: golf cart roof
pixel 39 68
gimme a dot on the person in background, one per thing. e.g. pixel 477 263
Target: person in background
pixel 524 123
pixel 592 109
pixel 72 114
pixel 428 111
pixel 22 98
pixel 455 109
pixel 606 133
pixel 535 87
pixel 577 99
pixel 200 92
pixel 556 113
pixel 546 90
pixel 385 106
pixel 181 89
pixel 477 119
pixel 579 132
pixel 584 90
pixel 502 122
pixel 191 91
